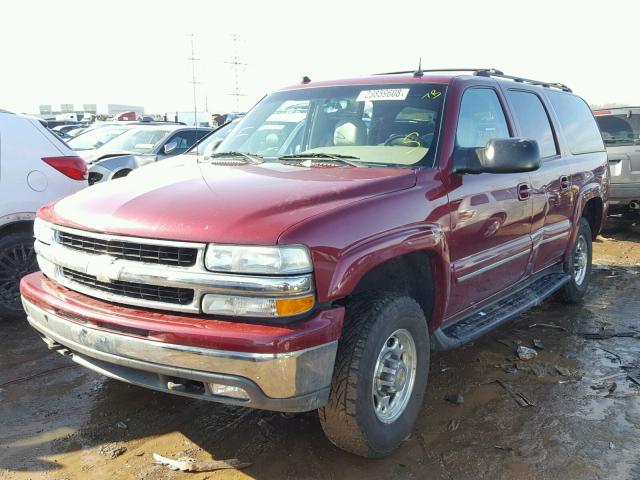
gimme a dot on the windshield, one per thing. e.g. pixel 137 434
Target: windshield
pixel 95 138
pixel 620 130
pixel 379 124
pixel 140 140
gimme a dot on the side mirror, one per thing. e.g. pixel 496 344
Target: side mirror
pixel 170 147
pixel 504 155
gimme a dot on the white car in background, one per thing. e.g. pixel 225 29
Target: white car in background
pixel 36 167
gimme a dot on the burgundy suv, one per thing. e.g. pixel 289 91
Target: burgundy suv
pixel 339 234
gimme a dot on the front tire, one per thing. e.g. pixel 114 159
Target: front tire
pixel 380 375
pixel 17 259
pixel 578 265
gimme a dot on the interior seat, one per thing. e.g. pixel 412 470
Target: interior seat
pixel 351 131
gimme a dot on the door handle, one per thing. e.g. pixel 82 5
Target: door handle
pixel 564 183
pixel 524 191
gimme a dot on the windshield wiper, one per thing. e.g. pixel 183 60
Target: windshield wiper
pixel 248 157
pixel 322 156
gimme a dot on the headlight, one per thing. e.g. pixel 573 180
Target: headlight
pixel 43 231
pixel 263 307
pixel 258 260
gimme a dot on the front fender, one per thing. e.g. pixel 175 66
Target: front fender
pixel 354 263
pixel 109 166
pixel 361 257
pixel 17 217
pixel 348 242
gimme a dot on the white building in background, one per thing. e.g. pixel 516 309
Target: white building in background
pixel 109 109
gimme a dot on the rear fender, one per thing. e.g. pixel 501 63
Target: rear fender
pixel 588 192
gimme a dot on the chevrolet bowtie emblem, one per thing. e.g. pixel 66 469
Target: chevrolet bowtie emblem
pixel 104 268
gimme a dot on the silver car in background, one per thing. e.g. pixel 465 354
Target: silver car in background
pixel 140 146
pixel 620 128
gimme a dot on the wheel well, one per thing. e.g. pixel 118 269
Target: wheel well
pixel 407 275
pixel 21 226
pixel 592 211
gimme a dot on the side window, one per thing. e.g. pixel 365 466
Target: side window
pixel 185 140
pixel 577 122
pixel 481 119
pixel 199 134
pixel 533 120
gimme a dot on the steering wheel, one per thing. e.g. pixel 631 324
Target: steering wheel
pixel 412 139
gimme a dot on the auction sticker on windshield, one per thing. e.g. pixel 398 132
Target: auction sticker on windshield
pixel 383 94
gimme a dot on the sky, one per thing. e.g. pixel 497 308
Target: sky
pixel 136 51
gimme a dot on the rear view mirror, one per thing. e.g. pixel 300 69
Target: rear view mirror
pixel 170 147
pixel 504 155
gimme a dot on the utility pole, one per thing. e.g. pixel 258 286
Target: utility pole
pixel 236 65
pixel 193 82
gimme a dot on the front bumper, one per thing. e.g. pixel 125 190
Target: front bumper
pixel 295 381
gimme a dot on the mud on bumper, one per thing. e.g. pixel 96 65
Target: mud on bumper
pixel 295 381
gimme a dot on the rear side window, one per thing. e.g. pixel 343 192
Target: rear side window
pixel 620 130
pixel 577 122
pixel 57 139
pixel 533 120
pixel 481 119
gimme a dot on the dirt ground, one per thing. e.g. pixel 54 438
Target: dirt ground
pixel 70 423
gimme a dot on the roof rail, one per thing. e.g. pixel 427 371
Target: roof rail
pixel 485 72
pixel 499 74
pixel 435 70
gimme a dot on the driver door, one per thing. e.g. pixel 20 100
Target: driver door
pixel 490 239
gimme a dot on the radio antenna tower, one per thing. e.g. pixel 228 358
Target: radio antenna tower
pixel 236 66
pixel 193 82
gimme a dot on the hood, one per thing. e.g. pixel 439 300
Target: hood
pixel 95 154
pixel 201 202
pixel 123 161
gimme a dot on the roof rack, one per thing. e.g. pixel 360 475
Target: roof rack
pixel 497 73
pixel 434 70
pixel 485 72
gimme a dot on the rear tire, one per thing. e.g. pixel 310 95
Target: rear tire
pixel 380 375
pixel 578 265
pixel 17 259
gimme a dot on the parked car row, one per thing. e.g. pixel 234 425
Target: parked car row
pixel 316 255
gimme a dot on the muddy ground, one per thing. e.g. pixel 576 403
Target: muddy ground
pixel 68 423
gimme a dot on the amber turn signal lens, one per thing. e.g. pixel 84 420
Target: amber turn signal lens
pixel 285 307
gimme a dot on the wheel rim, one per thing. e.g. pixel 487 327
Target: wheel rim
pixel 15 262
pixel 394 376
pixel 580 261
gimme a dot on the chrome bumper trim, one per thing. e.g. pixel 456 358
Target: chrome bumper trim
pixel 278 376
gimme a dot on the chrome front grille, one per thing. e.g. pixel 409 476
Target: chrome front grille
pixel 112 268
pixel 152 293
pixel 130 250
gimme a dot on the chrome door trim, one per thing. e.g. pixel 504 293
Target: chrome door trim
pixel 491 266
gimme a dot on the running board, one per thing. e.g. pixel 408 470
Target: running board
pixel 480 321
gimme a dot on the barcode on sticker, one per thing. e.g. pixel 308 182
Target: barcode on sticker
pixel 383 94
